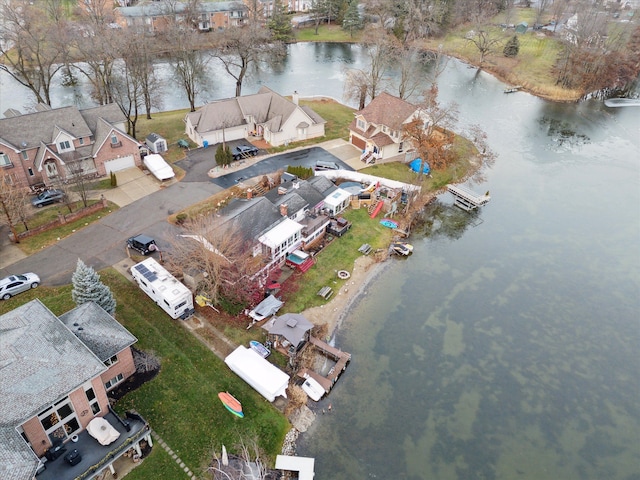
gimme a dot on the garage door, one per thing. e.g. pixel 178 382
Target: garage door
pixel 358 142
pixel 119 164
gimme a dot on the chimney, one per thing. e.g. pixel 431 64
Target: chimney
pixel 294 98
pixel 249 194
pixel 282 190
pixel 283 209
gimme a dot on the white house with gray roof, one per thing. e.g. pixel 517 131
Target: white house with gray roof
pixel 55 375
pixel 266 115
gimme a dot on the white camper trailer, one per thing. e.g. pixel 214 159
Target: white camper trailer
pixel 168 293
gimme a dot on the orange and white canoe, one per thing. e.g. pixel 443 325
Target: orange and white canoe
pixel 231 403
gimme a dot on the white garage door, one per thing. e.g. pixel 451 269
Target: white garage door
pixel 119 164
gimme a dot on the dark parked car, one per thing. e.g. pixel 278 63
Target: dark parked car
pixel 143 244
pixel 244 151
pixel 47 197
pixel 14 284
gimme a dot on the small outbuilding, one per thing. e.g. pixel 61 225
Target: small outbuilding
pixel 290 331
pixel 522 27
pixel 156 143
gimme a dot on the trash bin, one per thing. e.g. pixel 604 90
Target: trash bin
pixel 73 457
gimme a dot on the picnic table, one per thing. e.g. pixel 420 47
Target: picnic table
pixel 325 292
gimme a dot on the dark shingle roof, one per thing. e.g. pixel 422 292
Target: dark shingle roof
pixel 98 330
pixel 17 460
pixel 388 110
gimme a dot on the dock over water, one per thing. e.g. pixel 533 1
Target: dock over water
pixel 341 358
pixel 468 199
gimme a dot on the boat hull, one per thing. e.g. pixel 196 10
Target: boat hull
pixel 259 348
pixel 231 404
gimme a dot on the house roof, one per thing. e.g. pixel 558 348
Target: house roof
pixel 159 9
pixel 280 233
pixel 267 108
pixel 323 185
pixel 17 460
pixel 251 217
pixel 98 330
pixel 387 110
pixel 291 326
pixel 110 113
pixel 41 361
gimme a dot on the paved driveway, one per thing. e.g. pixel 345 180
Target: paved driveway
pixel 306 157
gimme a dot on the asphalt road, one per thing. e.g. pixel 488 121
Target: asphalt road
pixel 102 243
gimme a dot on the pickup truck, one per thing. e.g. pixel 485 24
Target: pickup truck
pixel 244 151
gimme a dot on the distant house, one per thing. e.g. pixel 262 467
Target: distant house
pixel 377 129
pixel 154 17
pixel 49 145
pixel 55 375
pixel 156 143
pixel 265 114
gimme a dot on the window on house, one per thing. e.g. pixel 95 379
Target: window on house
pixel 25 155
pixel 51 169
pixel 361 125
pixel 110 361
pixel 385 129
pixel 114 139
pixel 59 421
pixel 114 381
pixel 64 145
pixel 81 140
pixel 4 160
pixel 400 147
pixel 30 170
pixel 93 400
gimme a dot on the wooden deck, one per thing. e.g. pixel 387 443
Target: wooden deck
pixel 341 358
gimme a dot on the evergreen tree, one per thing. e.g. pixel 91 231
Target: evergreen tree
pixel 87 287
pixel 220 156
pixel 352 20
pixel 280 24
pixel 512 47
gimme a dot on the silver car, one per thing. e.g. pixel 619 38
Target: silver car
pixel 15 284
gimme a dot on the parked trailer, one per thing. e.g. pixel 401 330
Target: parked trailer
pixel 163 288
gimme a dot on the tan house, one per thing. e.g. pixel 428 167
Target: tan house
pixel 49 145
pixel 55 376
pixel 377 129
pixel 265 114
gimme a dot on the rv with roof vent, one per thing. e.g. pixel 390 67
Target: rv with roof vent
pixel 163 288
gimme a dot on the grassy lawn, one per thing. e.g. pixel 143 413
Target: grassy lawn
pixel 326 33
pixel 181 403
pixel 37 242
pixel 169 125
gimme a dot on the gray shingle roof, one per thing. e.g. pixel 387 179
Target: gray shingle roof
pixel 98 330
pixel 159 8
pixel 291 326
pixel 251 218
pixel 41 361
pixel 323 185
pixel 266 107
pixel 17 460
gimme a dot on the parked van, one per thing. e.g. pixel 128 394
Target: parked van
pixel 163 288
pixel 322 165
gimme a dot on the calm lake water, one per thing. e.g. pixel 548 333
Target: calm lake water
pixel 506 346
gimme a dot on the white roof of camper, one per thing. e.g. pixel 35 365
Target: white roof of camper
pixel 337 197
pixel 280 233
pixel 158 276
pixel 267 379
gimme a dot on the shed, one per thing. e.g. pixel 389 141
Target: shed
pixel 156 143
pixel 522 27
pixel 264 377
pixel 291 330
pixel 337 201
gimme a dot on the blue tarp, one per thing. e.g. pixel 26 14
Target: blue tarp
pixel 415 166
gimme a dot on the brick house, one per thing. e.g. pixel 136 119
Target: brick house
pixel 377 129
pixel 49 145
pixel 55 375
pixel 155 17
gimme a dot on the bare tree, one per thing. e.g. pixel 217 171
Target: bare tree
pixel 31 47
pixel 14 203
pixel 541 8
pixel 484 41
pixel 220 252
pixel 356 86
pixel 239 48
pixel 410 66
pixel 430 129
pixel 76 177
pixel 380 49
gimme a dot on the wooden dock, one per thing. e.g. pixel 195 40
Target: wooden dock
pixel 467 199
pixel 341 358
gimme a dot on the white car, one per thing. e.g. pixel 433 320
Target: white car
pixel 14 284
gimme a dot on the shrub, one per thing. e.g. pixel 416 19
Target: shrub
pixel 512 47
